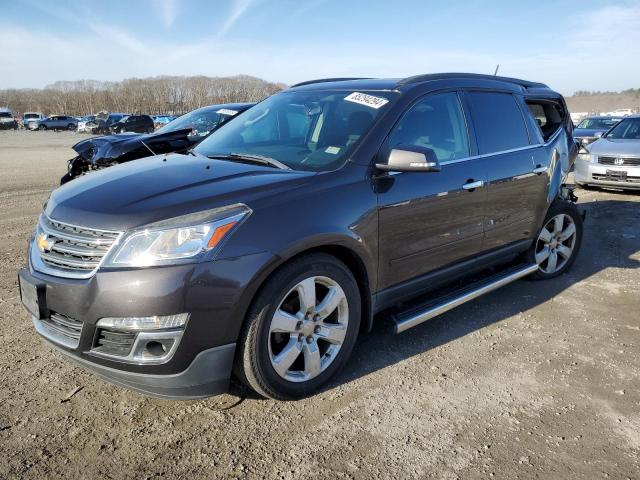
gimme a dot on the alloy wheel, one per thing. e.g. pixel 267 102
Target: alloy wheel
pixel 308 329
pixel 555 243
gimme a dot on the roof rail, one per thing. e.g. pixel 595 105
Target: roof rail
pixel 441 76
pixel 324 80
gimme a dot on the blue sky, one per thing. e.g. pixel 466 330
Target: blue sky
pixel 572 45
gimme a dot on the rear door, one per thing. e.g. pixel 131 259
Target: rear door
pixel 428 220
pixel 513 192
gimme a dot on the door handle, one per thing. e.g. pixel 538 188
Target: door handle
pixel 473 185
pixel 539 169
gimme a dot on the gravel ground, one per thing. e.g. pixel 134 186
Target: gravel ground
pixel 537 380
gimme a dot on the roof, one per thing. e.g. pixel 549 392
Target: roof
pixel 405 83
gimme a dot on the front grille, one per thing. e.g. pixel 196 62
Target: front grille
pixel 116 343
pixel 626 161
pixel 63 329
pixel 74 249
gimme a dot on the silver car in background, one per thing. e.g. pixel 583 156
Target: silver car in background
pixel 614 160
pixel 30 120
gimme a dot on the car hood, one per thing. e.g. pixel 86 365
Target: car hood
pixel 615 147
pixel 587 132
pixel 161 187
pixel 108 148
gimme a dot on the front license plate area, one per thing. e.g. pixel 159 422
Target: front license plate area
pixel 33 296
pixel 616 175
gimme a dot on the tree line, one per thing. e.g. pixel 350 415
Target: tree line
pixel 155 96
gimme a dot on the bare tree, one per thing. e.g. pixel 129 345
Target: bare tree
pixel 157 95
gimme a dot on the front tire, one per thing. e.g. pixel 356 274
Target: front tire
pixel 558 242
pixel 300 329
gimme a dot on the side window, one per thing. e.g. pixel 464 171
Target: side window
pixel 435 122
pixel 548 115
pixel 498 122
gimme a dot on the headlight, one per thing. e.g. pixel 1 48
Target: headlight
pixel 180 239
pixel 585 157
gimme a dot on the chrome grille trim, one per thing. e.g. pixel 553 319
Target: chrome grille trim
pixel 77 252
pixel 626 161
pixel 60 329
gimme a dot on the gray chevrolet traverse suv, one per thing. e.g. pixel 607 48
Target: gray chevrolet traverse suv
pixel 266 250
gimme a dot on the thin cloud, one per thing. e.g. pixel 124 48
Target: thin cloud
pixel 238 9
pixel 168 11
pixel 57 11
pixel 120 37
pixel 33 57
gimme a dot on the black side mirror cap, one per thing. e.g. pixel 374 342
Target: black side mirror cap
pixel 410 159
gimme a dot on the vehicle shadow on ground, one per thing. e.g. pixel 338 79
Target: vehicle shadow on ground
pixel 611 237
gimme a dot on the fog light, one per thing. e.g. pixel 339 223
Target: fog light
pixel 155 339
pixel 144 323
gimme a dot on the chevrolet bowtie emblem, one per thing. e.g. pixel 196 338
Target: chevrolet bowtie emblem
pixel 43 243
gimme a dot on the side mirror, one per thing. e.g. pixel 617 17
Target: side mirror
pixel 411 159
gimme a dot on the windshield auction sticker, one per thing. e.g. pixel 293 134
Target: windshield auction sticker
pixel 368 100
pixel 226 111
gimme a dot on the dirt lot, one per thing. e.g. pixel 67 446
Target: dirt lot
pixel 537 380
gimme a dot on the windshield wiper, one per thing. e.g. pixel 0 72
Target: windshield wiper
pixel 252 158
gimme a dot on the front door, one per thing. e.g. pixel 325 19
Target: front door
pixel 428 220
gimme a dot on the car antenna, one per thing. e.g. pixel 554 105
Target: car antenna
pixel 148 148
pixel 496 72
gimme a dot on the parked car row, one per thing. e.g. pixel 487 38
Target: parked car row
pixel 104 123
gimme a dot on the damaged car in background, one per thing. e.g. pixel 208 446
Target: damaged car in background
pixel 102 123
pixel 178 136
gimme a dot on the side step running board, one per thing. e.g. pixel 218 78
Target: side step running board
pixel 406 320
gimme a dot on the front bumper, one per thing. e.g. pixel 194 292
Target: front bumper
pixel 207 375
pixel 215 294
pixel 587 173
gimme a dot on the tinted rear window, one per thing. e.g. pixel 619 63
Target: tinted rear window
pixel 498 122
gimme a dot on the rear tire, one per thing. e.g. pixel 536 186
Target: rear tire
pixel 301 328
pixel 42 127
pixel 558 241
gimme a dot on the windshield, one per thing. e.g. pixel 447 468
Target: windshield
pixel 6 115
pixel 628 129
pixel 31 115
pixel 602 123
pixel 313 130
pixel 200 121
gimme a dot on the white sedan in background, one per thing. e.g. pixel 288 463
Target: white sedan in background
pixel 613 161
